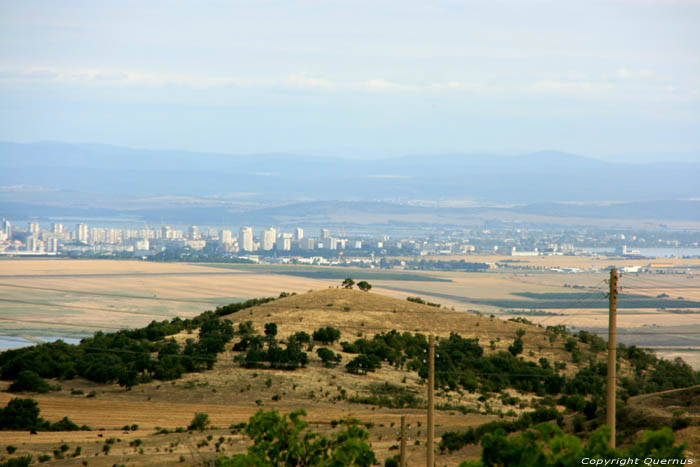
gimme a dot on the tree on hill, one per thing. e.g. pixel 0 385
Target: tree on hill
pixel 348 283
pixel 326 335
pixel 364 286
pixel 199 422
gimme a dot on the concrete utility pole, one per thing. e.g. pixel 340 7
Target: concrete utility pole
pixel 431 401
pixel 402 461
pixel 612 357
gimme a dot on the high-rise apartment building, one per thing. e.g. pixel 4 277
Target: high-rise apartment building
pixel 6 228
pixel 284 242
pixel 268 239
pixel 245 239
pixel 194 233
pixel 298 234
pixel 57 228
pixel 34 228
pixel 325 233
pixel 81 233
pixel 226 238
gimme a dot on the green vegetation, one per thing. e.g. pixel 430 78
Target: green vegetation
pixel 389 395
pixel 326 335
pixel 22 461
pixel 329 358
pixel 199 422
pixel 23 414
pixel 28 381
pixel 422 302
pixel 126 356
pixel 266 352
pixel 459 362
pixel 364 286
pixel 286 440
pixel 454 441
pixel 546 445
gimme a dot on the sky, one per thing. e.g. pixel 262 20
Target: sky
pixel 617 78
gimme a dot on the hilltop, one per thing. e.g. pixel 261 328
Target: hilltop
pixel 484 375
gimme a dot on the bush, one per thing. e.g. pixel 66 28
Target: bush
pixel 364 286
pixel 23 461
pixel 285 440
pixel 199 422
pixel 328 357
pixel 326 335
pixel 28 381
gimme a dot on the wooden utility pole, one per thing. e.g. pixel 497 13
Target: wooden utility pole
pixel 402 459
pixel 612 360
pixel 431 402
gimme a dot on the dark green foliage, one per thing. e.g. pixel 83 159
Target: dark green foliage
pixel 362 364
pixel 20 414
pixel 348 283
pixel 364 286
pixel 548 446
pixel 326 335
pixel 286 440
pixel 22 461
pixel 301 337
pixel 328 357
pixel 268 353
pixel 270 329
pixel 126 356
pixel 199 422
pixel 516 348
pixel 454 441
pixel 389 395
pixel 28 381
pixel 23 414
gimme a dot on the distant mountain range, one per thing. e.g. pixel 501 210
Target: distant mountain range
pixel 81 179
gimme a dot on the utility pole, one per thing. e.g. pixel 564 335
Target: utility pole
pixel 431 401
pixel 402 459
pixel 612 360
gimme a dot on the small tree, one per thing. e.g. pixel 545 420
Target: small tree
pixel 326 335
pixel 285 440
pixel 270 329
pixel 348 283
pixel 364 286
pixel 29 381
pixel 199 422
pixel 328 357
pixel 517 347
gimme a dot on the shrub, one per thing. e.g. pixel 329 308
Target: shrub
pixel 28 381
pixel 199 422
pixel 326 335
pixel 328 357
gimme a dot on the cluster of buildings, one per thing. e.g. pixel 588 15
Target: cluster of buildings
pixel 147 241
pixel 56 238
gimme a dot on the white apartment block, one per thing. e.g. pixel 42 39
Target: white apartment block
pixel 245 239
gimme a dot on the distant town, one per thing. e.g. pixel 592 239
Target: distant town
pixel 326 247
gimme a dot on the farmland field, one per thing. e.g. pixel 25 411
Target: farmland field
pixel 73 298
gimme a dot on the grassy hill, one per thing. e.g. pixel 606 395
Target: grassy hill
pixel 483 375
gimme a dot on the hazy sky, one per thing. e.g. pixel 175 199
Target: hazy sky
pixel 355 78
